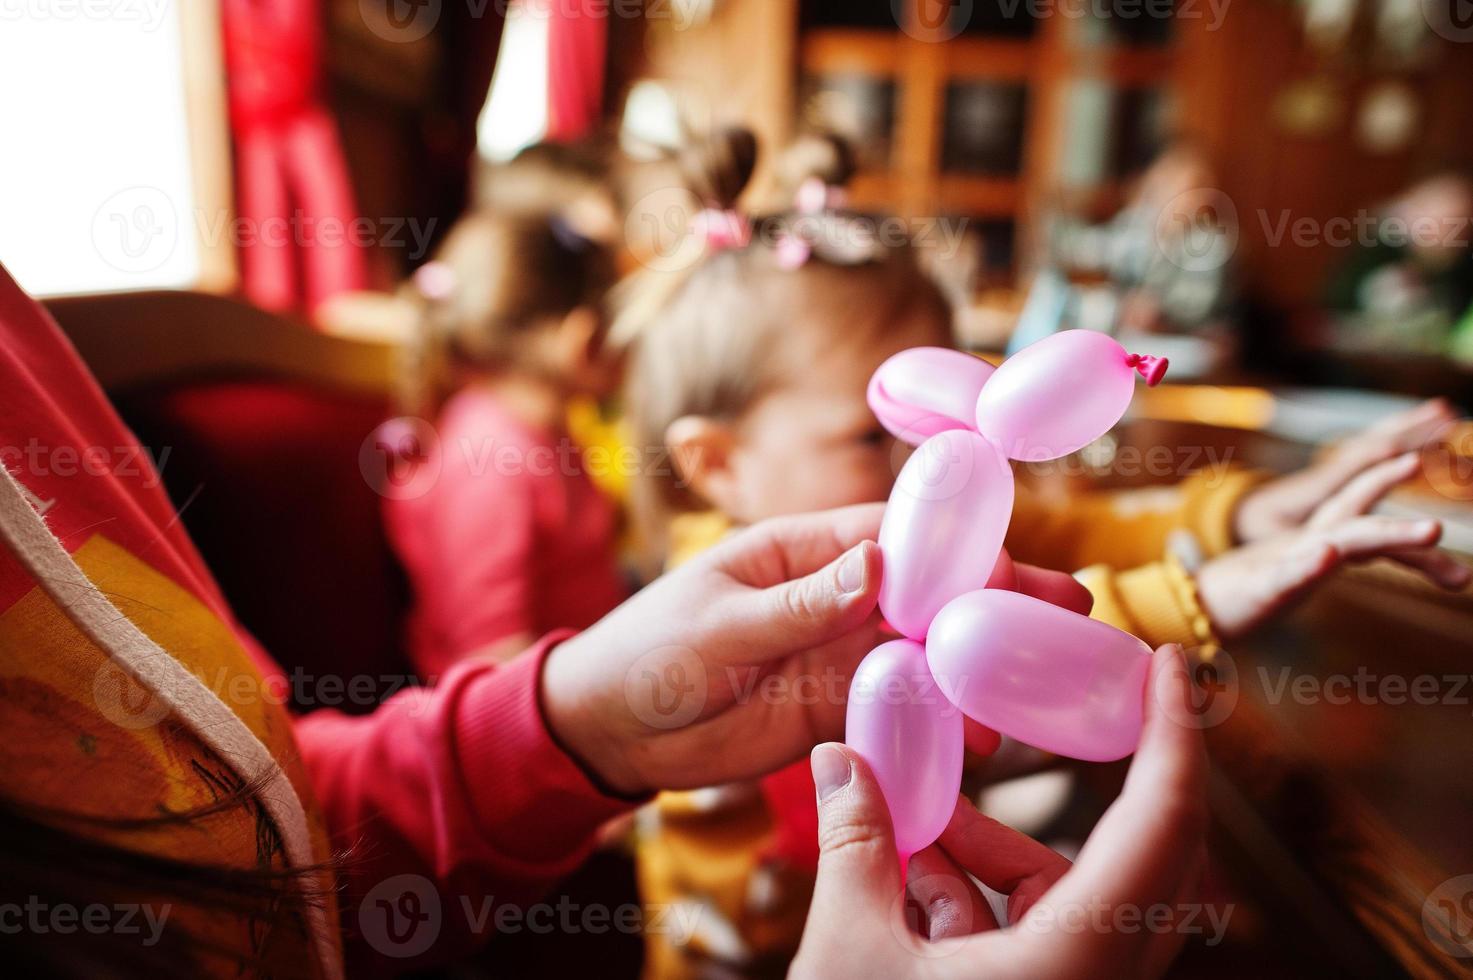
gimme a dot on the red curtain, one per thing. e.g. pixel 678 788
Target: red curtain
pixel 577 42
pixel 295 225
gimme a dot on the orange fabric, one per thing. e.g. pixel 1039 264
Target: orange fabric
pixel 68 711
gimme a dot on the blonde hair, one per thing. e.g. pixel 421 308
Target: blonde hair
pixel 497 277
pixel 710 340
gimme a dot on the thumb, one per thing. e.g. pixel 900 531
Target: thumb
pixel 859 877
pixel 826 604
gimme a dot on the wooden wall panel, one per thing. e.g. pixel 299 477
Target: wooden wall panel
pixel 1228 82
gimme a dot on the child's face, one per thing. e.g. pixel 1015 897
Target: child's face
pixel 813 443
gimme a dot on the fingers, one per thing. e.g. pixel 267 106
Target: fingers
pixel 1054 587
pixel 1002 858
pixel 1164 945
pixel 785 548
pixel 813 610
pixel 812 579
pixel 1368 537
pixel 1403 432
pixel 950 905
pixel 979 739
pixel 783 729
pixel 858 868
pixel 1243 587
pixel 1398 433
pixel 1440 567
pixel 1413 428
pixel 1365 490
pixel 1139 850
pixel 1403 541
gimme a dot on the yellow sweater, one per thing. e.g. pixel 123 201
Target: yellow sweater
pixel 1116 543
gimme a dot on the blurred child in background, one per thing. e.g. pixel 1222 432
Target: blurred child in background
pixel 502 532
pixel 751 367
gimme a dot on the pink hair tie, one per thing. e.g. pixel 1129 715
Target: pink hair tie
pixel 815 197
pixel 723 229
pixel 792 252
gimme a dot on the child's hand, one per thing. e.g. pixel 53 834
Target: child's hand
pixel 1144 858
pixel 737 662
pixel 1245 586
pixel 1286 503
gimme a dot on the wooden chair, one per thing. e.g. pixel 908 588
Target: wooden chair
pixel 261 427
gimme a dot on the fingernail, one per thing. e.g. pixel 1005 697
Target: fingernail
pixel 853 570
pixel 830 770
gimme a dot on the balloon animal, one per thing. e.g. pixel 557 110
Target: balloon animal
pixel 1039 673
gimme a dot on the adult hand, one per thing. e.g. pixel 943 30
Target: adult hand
pixel 737 662
pixel 1120 909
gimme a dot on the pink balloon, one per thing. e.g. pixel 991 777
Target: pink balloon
pixel 1042 674
pixel 925 390
pixel 1056 395
pixel 943 527
pixel 900 723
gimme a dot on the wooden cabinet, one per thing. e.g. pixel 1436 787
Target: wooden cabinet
pixel 1078 102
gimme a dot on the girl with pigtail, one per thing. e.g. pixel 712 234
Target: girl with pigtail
pixel 751 365
pixel 502 531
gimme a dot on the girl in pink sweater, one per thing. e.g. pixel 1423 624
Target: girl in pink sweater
pixel 500 528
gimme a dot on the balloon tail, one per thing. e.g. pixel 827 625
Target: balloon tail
pixel 1153 369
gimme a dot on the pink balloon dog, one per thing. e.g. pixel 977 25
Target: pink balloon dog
pixel 1041 674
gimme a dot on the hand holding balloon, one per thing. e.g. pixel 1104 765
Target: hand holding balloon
pixel 1045 675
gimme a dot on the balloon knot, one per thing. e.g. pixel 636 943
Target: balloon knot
pixel 1153 369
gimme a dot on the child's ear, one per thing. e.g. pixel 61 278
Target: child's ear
pixel 701 452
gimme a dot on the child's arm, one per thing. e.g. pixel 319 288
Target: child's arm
pixel 1128 527
pixel 457 796
pixel 1240 589
pixel 468 795
pixel 1222 510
